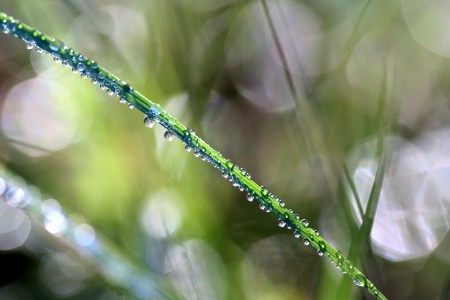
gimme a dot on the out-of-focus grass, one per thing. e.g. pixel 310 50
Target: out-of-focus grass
pixel 215 66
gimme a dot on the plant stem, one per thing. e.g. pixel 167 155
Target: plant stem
pixel 153 112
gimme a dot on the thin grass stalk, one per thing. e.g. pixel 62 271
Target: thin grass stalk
pixel 154 113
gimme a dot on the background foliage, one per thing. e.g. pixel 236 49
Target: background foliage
pixel 292 120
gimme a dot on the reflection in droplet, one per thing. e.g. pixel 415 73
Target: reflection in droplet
pixel 168 136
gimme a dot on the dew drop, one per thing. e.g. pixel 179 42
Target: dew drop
pixel 281 223
pixel 281 202
pixel 306 242
pixel 148 122
pixel 15 197
pixel 81 67
pixel 30 46
pixel 316 232
pixel 110 92
pixel 225 174
pixel 305 222
pixel 188 148
pixel 130 106
pixel 267 209
pixel 122 101
pixel 196 153
pixel 56 59
pixel 297 216
pixel 103 87
pixel 74 70
pixel 262 207
pixel 64 63
pixel 250 197
pixel 83 76
pixel 320 253
pixel 93 81
pixel 241 188
pixel 296 234
pixel 55 45
pixel 38 50
pixel 264 191
pixel 168 136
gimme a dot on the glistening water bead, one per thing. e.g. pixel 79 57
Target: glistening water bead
pixel 168 136
pixel 149 122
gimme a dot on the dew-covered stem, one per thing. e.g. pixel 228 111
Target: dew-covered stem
pixel 154 113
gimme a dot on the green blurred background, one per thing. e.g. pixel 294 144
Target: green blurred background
pixel 289 90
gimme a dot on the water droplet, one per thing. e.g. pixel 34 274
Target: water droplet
pixel 149 122
pixel 264 191
pixel 64 63
pixel 316 232
pixel 262 207
pixel 56 59
pixel 81 67
pixel 168 136
pixel 281 223
pixel 248 175
pixel 110 92
pixel 196 153
pixel 55 45
pixel 122 101
pixel 241 188
pixel 74 70
pixel 103 87
pixel 93 81
pixel 359 279
pixel 30 46
pixel 267 209
pixel 81 58
pixel 305 222
pixel 38 50
pixel 225 174
pixel 188 148
pixel 296 234
pixel 94 64
pixel 130 106
pixel 281 202
pixel 101 77
pixel 297 216
pixel 320 253
pixel 83 76
pixel 250 197
pixel 306 242
pixel 15 197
